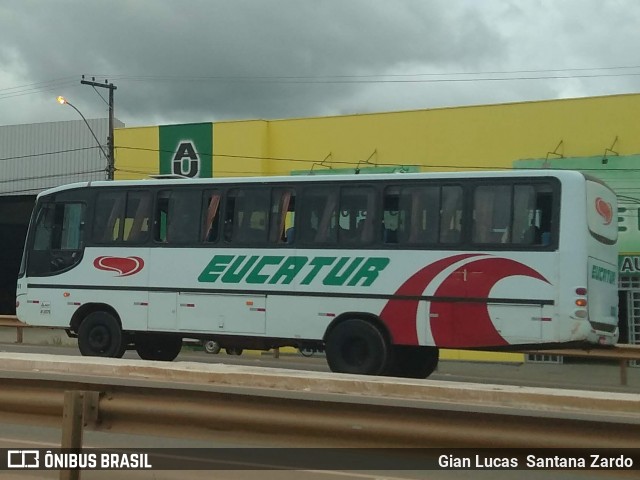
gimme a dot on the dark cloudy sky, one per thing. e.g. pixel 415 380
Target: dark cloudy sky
pixel 180 61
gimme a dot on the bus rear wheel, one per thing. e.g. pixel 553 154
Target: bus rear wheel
pixel 357 346
pixel 100 335
pixel 153 346
pixel 413 362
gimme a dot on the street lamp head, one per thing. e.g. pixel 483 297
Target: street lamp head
pixel 61 100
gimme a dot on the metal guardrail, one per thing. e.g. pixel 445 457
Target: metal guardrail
pixel 621 352
pixel 312 419
pixel 292 408
pixel 12 321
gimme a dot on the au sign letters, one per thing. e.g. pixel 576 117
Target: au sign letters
pixel 186 156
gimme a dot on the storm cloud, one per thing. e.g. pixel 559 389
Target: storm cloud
pixel 206 60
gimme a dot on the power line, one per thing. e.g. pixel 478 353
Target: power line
pixel 364 76
pixel 506 75
pixel 53 175
pixel 33 88
pixel 328 80
pixel 42 154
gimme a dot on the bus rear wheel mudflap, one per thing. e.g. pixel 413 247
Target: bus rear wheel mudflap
pixel 100 335
pixel 357 346
pixel 410 361
pixel 156 346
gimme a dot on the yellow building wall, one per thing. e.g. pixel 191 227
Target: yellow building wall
pixel 457 138
pixel 241 148
pixel 136 152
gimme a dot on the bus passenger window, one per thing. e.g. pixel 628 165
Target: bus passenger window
pixel 247 215
pixel 122 216
pixel 451 214
pixel 355 224
pixel 317 220
pixel 177 215
pixel 390 215
pixel 281 216
pixel 491 214
pixel 211 224
pixel 411 215
pixel 108 210
pixel 135 226
pixel 532 214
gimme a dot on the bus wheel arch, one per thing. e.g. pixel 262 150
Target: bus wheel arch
pixel 357 343
pixel 100 335
pixel 88 308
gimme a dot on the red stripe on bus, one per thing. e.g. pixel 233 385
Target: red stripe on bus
pixel 400 316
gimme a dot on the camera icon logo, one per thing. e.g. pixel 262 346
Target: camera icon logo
pixel 23 459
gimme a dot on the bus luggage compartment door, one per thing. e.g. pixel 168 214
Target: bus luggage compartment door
pixel 223 313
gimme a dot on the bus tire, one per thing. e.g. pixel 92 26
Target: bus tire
pixel 357 346
pixel 100 335
pixel 233 351
pixel 211 346
pixel 413 362
pixel 153 346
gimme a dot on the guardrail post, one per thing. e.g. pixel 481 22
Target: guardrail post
pixel 18 334
pixel 623 372
pixel 72 426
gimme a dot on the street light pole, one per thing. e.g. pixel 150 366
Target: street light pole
pixel 111 163
pixel 64 101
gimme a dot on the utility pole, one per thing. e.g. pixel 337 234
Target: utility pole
pixel 111 160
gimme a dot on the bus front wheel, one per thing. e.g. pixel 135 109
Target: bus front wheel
pixel 153 346
pixel 100 335
pixel 357 346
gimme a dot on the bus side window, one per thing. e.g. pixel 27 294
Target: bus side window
pixel 183 216
pixel 532 214
pixel 421 207
pixel 246 215
pixel 450 214
pixel 135 227
pixel 492 206
pixel 390 215
pixel 161 216
pixel 281 215
pixel 108 212
pixel 357 213
pixel 316 222
pixel 211 224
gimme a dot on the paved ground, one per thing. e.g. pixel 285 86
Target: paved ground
pixel 573 374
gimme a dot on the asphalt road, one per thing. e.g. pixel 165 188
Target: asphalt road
pixel 573 374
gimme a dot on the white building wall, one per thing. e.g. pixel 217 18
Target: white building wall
pixel 38 156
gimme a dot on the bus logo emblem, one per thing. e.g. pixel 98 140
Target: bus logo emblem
pixel 125 266
pixel 604 210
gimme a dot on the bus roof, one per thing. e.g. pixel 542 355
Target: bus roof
pixel 529 173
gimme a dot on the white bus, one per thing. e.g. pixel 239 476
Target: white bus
pixel 377 271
